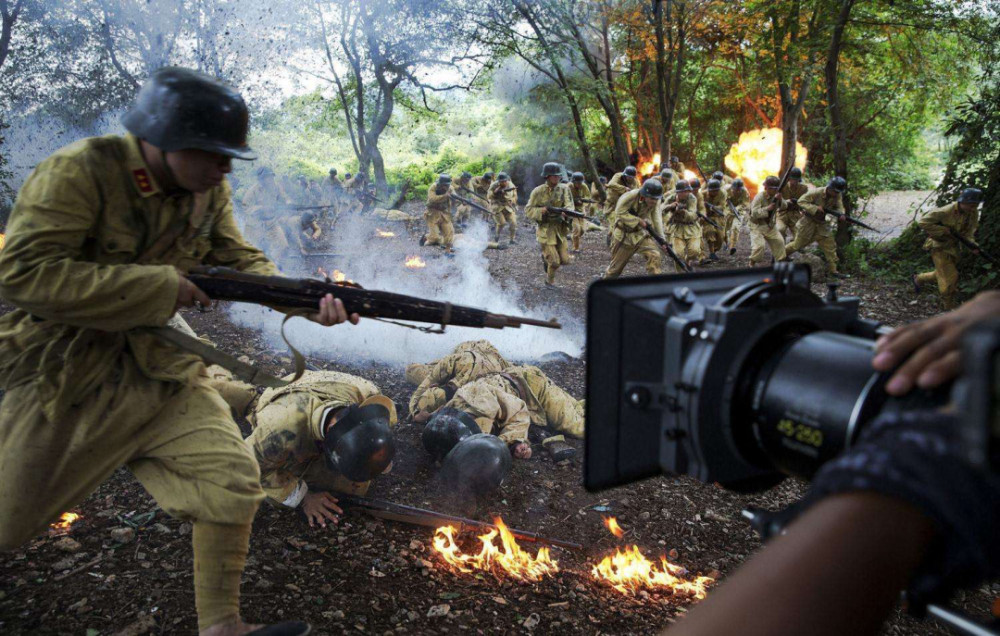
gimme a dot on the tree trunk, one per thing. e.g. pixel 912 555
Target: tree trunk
pixel 662 80
pixel 9 17
pixel 834 109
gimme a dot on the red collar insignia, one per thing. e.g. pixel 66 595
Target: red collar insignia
pixel 142 180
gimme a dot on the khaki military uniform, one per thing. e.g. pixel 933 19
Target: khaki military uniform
pixel 462 211
pixel 480 185
pixel 504 208
pixel 741 201
pixel 438 381
pixel 599 199
pixel 552 228
pixel 298 234
pixel 616 188
pixel 813 226
pixel 671 183
pixel 762 230
pixel 787 220
pixel 629 238
pixel 507 403
pixel 265 205
pixel 713 236
pixel 944 248
pixel 440 230
pixel 679 168
pixel 353 188
pixel 579 192
pixel 87 388
pixel 683 227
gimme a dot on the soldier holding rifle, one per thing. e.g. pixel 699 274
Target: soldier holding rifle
pixel 945 227
pixel 636 212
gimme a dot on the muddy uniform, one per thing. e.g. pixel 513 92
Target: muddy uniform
pixel 713 236
pixel 463 211
pixel 288 431
pixel 762 230
pixel 683 227
pixel 440 230
pixel 579 192
pixel 944 248
pixel 507 403
pixel 787 220
pixel 299 234
pixel 629 238
pixel 814 227
pixel 552 228
pixel 89 263
pixel 438 381
pixel 480 185
pixel 504 208
pixel 740 198
pixel 599 199
pixel 616 188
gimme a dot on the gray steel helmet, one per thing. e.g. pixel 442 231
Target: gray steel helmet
pixel 488 174
pixel 333 171
pixel 971 195
pixel 264 171
pixel 308 219
pixel 714 184
pixel 478 464
pixel 178 109
pixel 446 428
pixel 651 189
pixel 360 444
pixel 552 169
pixel 718 174
pixel 694 183
pixel 666 174
pixel 838 183
pixel 737 183
pixel 578 177
pixel 795 173
pixel 602 179
pixel 466 175
pixel 675 159
pixel 629 171
pixel 503 176
pixel 682 186
pixel 772 182
pixel 444 179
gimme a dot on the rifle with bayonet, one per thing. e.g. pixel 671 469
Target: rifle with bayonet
pixel 709 221
pixel 572 213
pixel 852 221
pixel 223 283
pixel 970 245
pixel 733 208
pixel 665 246
pixel 781 186
pixel 472 192
pixel 431 519
pixel 471 204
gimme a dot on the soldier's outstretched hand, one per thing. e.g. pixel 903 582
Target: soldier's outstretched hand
pixel 931 348
pixel 320 507
pixel 332 312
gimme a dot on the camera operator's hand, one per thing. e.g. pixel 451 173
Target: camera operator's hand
pixel 931 348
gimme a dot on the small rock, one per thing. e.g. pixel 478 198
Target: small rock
pixel 63 564
pixel 76 607
pixel 184 529
pixel 532 621
pixel 673 554
pixel 66 544
pixel 499 600
pixel 412 616
pixel 338 615
pixel 437 611
pixel 293 587
pixel 416 546
pixel 159 527
pixel 644 516
pixel 245 359
pixel 263 584
pixel 123 535
pixel 144 625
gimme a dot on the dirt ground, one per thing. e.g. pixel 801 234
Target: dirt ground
pixel 125 567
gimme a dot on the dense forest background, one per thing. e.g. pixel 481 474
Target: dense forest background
pixel 892 94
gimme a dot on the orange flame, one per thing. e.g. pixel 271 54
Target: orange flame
pixel 688 175
pixel 337 276
pixel 65 521
pixel 509 558
pixel 384 234
pixel 415 262
pixel 629 571
pixel 758 155
pixel 651 167
pixel 612 525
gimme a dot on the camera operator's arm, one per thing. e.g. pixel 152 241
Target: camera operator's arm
pixel 838 571
pixel 931 348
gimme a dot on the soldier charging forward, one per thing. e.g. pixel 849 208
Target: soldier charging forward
pixel 941 225
pixel 816 206
pixel 552 226
pixel 637 214
pixel 763 219
pixel 738 195
pixel 440 228
pixel 503 203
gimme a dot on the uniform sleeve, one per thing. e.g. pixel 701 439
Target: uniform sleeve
pixel 658 220
pixel 273 450
pixel 515 418
pixel 230 249
pixel 932 222
pixel 41 266
pixel 434 198
pixel 533 210
pixel 700 203
pixel 623 214
pixel 970 232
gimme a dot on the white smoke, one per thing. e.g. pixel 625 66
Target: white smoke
pixel 35 137
pixel 379 264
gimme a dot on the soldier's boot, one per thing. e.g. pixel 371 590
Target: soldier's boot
pixel 948 302
pixel 557 448
pixel 550 276
pixel 916 284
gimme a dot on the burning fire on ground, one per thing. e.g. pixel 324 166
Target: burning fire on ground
pixel 758 155
pixel 384 234
pixel 629 571
pixel 415 262
pixel 336 276
pixel 66 521
pixel 509 558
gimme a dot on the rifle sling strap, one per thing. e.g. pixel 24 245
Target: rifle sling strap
pixel 211 355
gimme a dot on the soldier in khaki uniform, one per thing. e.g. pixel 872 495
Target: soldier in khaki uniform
pixel 440 230
pixel 462 189
pixel 715 209
pixel 579 190
pixel 90 385
pixel 327 431
pixel 503 203
pixel 620 183
pixel 787 220
pixel 595 193
pixel 763 210
pixel 481 185
pixel 722 178
pixel 301 230
pixel 681 212
pixel 552 226
pixel 961 217
pixel 668 178
pixel 738 195
pixel 637 214
pixel 264 205
pixel 437 381
pixel 813 226
pixel 677 166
